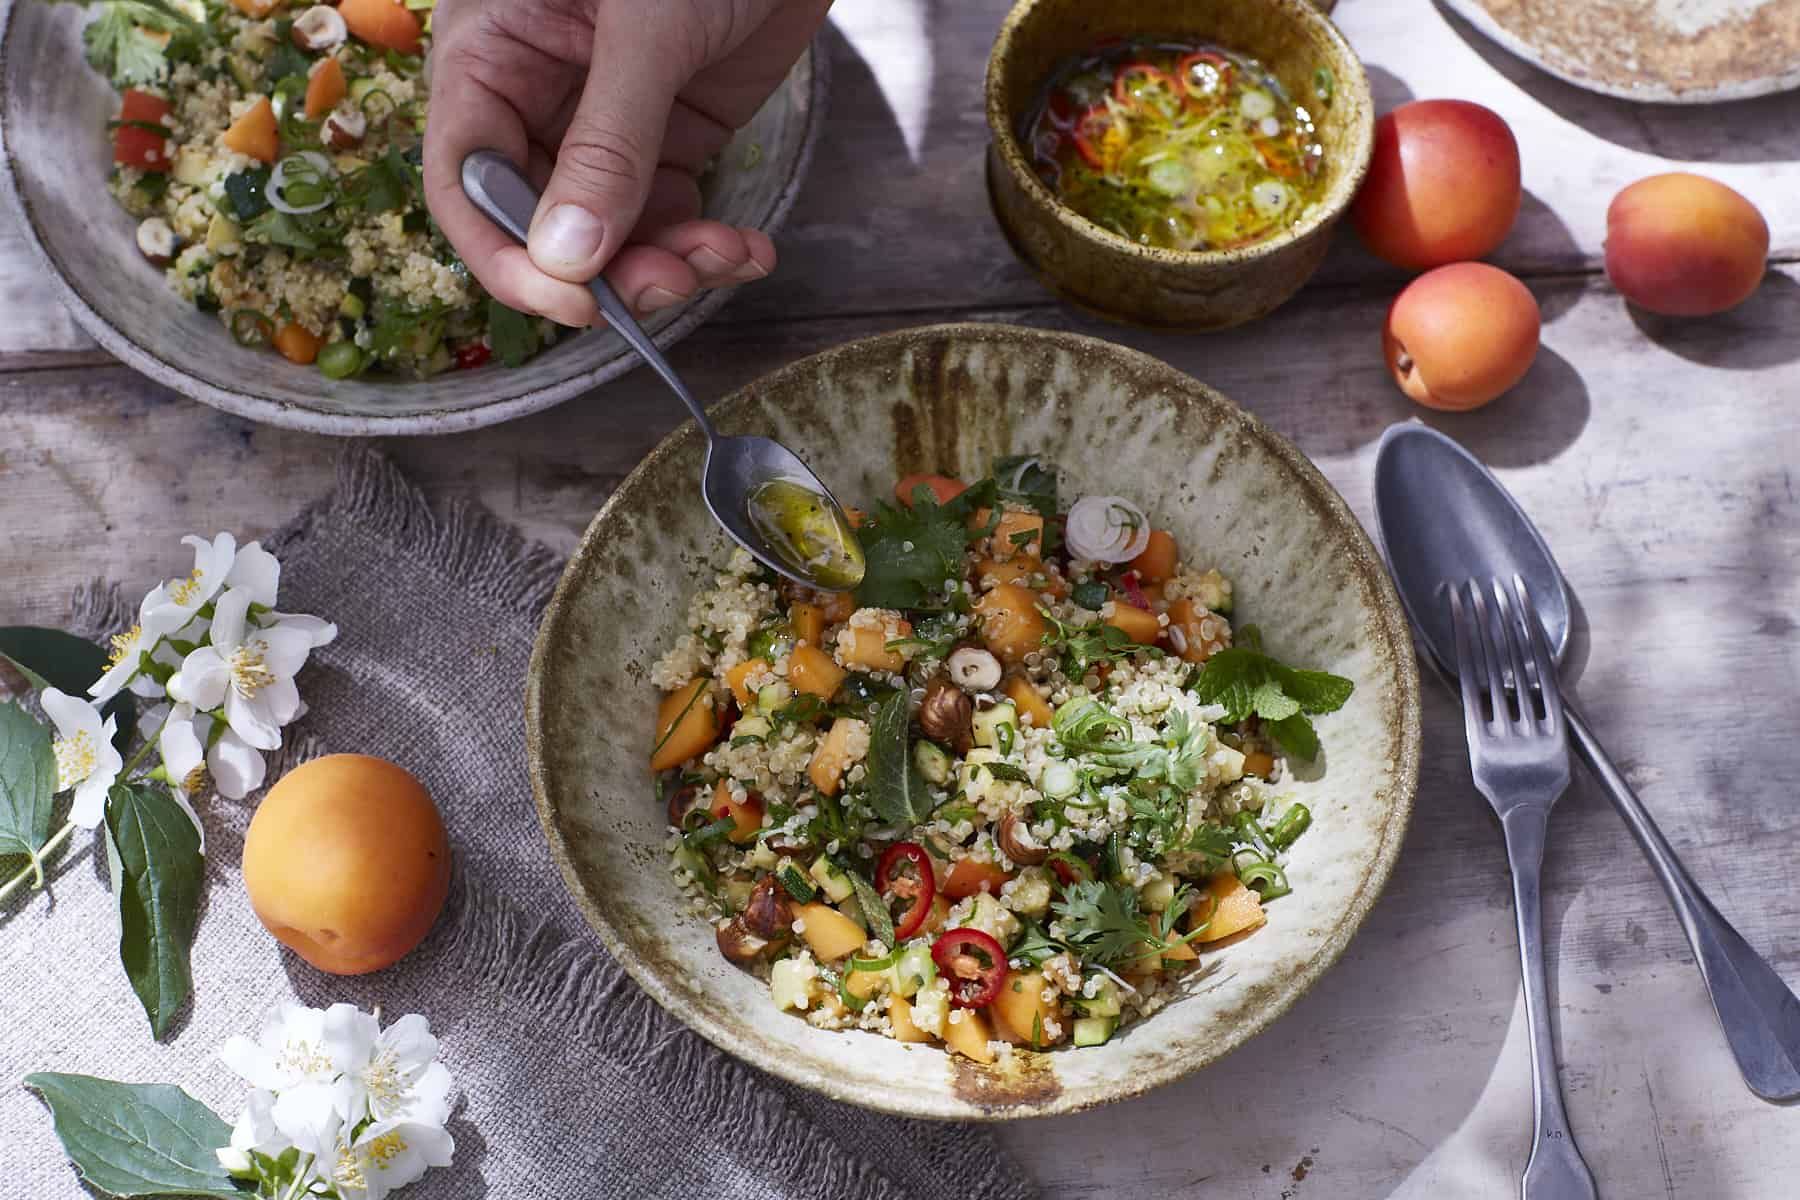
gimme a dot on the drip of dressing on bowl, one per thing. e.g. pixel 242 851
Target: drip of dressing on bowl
pixel 803 528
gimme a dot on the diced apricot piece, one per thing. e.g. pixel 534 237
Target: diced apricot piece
pixel 1011 625
pixel 739 679
pixel 1459 336
pixel 1023 1009
pixel 1442 187
pixel 1684 245
pixel 1196 633
pixel 133 144
pixel 256 9
pixel 384 23
pixel 686 724
pixel 969 1034
pixel 943 488
pixel 1016 535
pixel 748 814
pixel 1157 562
pixel 1025 698
pixel 297 343
pixel 832 757
pixel 1259 762
pixel 901 1022
pixel 1226 907
pixel 1139 624
pixel 255 134
pixel 973 875
pixel 807 621
pixel 325 86
pixel 1158 957
pixel 811 670
pixel 866 648
pixel 1026 572
pixel 829 933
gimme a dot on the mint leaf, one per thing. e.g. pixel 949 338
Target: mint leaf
pixel 897 789
pixel 153 853
pixel 874 909
pixel 135 1139
pixel 1297 736
pixel 27 784
pixel 52 658
pixel 911 553
pixel 1316 691
pixel 511 334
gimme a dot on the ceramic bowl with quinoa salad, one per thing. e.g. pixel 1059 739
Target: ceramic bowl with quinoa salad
pixel 210 185
pixel 1010 792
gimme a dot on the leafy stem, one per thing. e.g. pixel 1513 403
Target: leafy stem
pixel 37 864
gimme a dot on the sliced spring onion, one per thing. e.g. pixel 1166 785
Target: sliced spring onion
pixel 875 964
pixel 302 183
pixel 1265 879
pixel 251 328
pixel 1293 822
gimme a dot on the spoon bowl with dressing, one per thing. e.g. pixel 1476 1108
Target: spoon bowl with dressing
pixel 758 490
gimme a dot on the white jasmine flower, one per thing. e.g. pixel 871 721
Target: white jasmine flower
pixel 320 631
pixel 154 621
pixel 256 571
pixel 183 598
pixel 237 768
pixel 249 669
pixel 296 1047
pixel 389 1155
pixel 399 1076
pixel 255 1130
pixel 86 759
pixel 183 756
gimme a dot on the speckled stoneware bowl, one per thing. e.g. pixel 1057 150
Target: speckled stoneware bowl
pixel 1172 289
pixel 949 398
pixel 53 114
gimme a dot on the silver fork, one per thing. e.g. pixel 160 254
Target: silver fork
pixel 1519 750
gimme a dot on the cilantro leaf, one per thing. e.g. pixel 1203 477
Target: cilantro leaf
pixel 1101 922
pixel 120 44
pixel 911 553
pixel 897 789
pixel 1248 682
pixel 511 334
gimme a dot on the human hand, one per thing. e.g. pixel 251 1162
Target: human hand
pixel 612 108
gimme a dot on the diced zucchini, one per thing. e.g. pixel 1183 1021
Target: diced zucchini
pixel 987 723
pixel 985 912
pixel 931 1010
pixel 764 856
pixel 790 983
pixel 796 884
pixel 1157 894
pixel 243 72
pixel 773 697
pixel 832 881
pixel 694 863
pixel 360 88
pixel 757 727
pixel 223 237
pixel 737 893
pixel 1103 1003
pixel 934 763
pixel 976 781
pixel 1030 895
pixel 1094 1031
pixel 914 969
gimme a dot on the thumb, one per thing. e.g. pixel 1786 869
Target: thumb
pixel 608 156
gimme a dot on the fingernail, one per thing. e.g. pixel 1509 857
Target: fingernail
pixel 568 237
pixel 750 272
pixel 708 262
pixel 655 299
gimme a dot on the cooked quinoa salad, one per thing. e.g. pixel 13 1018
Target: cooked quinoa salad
pixel 1007 793
pixel 270 152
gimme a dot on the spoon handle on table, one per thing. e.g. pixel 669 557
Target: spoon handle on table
pixel 1758 1012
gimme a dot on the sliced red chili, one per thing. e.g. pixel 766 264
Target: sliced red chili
pixel 974 963
pixel 1134 591
pixel 474 354
pixel 1184 71
pixel 1068 868
pixel 1139 82
pixel 1093 125
pixel 917 887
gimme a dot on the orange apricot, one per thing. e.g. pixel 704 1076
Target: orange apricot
pixel 1460 335
pixel 1443 184
pixel 1684 245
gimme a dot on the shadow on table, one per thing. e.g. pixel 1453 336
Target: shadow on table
pixel 1533 423
pixel 1763 129
pixel 1756 334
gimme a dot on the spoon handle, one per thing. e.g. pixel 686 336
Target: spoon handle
pixel 1758 1012
pixel 507 198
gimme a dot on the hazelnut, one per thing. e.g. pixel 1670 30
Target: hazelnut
pixel 1010 838
pixel 973 669
pixel 738 944
pixel 345 127
pixel 681 803
pixel 948 715
pixel 157 241
pixel 768 915
pixel 319 28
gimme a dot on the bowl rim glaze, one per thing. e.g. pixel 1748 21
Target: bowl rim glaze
pixel 266 410
pixel 1182 389
pixel 1326 213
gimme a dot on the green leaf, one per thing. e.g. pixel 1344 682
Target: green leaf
pixel 52 658
pixel 27 784
pixel 1027 480
pixel 137 1139
pixel 1297 736
pixel 874 909
pixel 912 552
pixel 1316 691
pixel 1246 681
pixel 153 852
pixel 897 789
pixel 511 334
pixel 1101 921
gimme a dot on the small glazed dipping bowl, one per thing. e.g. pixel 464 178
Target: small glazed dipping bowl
pixel 1147 285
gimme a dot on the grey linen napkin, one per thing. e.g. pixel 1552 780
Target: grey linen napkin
pixel 572 1082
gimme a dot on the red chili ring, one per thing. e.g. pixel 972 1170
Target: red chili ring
pixel 954 953
pixel 886 876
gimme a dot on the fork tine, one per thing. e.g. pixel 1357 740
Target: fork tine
pixel 1512 633
pixel 1541 660
pixel 1490 649
pixel 1468 668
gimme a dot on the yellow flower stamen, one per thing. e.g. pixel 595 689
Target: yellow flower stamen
pixel 384 1149
pixel 124 645
pixel 305 1058
pixel 76 758
pixel 348 1170
pixel 249 674
pixel 184 591
pixel 383 1081
pixel 196 781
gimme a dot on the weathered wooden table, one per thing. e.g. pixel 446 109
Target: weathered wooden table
pixel 1657 455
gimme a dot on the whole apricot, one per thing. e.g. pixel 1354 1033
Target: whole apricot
pixel 1443 184
pixel 1684 245
pixel 1461 335
pixel 347 863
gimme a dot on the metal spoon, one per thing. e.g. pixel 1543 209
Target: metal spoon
pixel 756 489
pixel 1443 516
